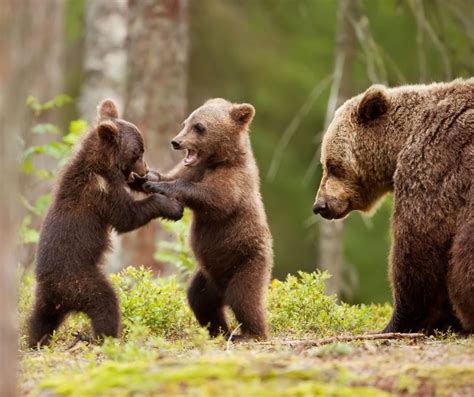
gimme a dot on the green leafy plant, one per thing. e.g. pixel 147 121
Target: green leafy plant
pixel 59 148
pixel 177 251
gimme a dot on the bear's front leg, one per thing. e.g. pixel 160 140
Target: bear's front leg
pixel 166 188
pixel 418 278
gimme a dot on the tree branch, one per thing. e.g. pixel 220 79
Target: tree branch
pixel 346 338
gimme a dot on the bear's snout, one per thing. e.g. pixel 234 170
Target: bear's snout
pixel 331 208
pixel 176 144
pixel 321 207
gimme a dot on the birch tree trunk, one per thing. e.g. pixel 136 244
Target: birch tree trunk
pixel 105 55
pixel 31 64
pixel 156 95
pixel 331 233
pixel 8 263
pixel 105 67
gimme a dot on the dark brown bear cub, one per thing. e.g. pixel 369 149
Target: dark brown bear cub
pixel 92 197
pixel 219 181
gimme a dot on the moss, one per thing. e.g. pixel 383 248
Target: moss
pixel 444 378
pixel 209 376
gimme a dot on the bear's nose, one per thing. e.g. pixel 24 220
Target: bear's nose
pixel 175 144
pixel 320 206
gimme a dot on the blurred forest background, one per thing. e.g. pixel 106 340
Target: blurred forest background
pixel 295 60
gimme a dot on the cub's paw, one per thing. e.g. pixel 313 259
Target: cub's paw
pixel 137 182
pixel 168 207
pixel 158 187
pixel 177 210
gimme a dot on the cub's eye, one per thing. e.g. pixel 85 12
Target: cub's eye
pixel 199 128
pixel 335 170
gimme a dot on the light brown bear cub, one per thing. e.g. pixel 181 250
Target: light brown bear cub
pixel 417 141
pixel 219 181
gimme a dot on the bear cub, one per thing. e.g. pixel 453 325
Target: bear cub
pixel 92 197
pixel 219 181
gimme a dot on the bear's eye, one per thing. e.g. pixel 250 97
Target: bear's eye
pixel 335 170
pixel 199 128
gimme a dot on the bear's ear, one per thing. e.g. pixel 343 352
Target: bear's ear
pixel 107 110
pixel 373 104
pixel 108 131
pixel 242 113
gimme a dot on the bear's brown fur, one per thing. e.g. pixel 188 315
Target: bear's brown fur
pixel 417 141
pixel 91 199
pixel 219 181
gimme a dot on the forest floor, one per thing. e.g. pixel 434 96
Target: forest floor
pixel 423 367
pixel 163 352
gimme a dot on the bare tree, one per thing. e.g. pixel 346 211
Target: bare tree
pixel 105 56
pixel 331 233
pixel 8 260
pixel 105 67
pixel 156 93
pixel 31 64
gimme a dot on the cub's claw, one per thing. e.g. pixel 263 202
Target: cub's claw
pixel 157 187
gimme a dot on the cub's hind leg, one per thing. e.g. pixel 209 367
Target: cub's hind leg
pixel 46 317
pixel 246 296
pixel 98 300
pixel 207 303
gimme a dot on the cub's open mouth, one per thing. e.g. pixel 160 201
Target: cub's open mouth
pixel 191 157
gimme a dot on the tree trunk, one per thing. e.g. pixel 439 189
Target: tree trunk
pixel 8 261
pixel 105 63
pixel 105 57
pixel 331 233
pixel 11 129
pixel 156 95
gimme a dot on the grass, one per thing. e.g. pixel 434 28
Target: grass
pixel 163 352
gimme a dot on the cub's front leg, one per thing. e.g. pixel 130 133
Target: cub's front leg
pixel 190 194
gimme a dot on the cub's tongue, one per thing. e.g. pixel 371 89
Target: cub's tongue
pixel 191 157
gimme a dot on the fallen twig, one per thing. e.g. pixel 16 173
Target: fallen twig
pixel 79 337
pixel 345 338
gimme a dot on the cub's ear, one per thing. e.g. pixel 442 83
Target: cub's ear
pixel 373 104
pixel 242 113
pixel 108 131
pixel 107 110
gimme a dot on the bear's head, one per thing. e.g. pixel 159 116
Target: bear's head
pixel 357 165
pixel 215 133
pixel 120 141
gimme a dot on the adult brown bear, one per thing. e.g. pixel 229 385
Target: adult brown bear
pixel 417 141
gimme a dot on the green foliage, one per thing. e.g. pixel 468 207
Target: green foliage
pixel 38 107
pixel 177 252
pixel 158 304
pixel 59 148
pixel 299 305
pixel 158 307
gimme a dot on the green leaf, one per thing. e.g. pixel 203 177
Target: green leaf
pixel 42 204
pixel 77 128
pixel 45 128
pixel 57 150
pixel 28 235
